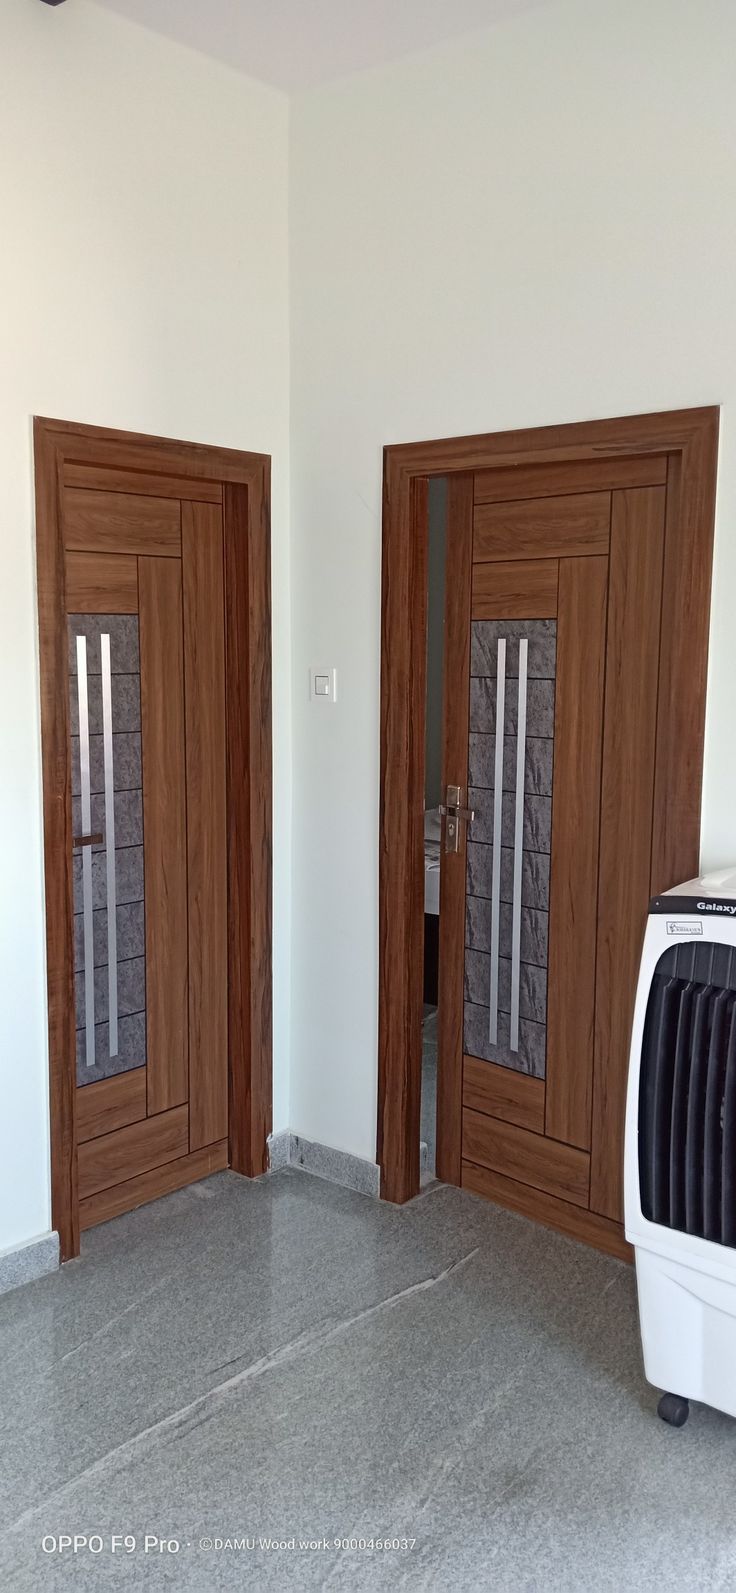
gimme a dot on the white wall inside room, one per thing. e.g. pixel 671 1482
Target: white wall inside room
pixel 533 225
pixel 143 277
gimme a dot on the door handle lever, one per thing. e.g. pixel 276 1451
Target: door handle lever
pixel 454 814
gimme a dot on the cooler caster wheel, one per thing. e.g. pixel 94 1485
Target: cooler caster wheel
pixel 673 1409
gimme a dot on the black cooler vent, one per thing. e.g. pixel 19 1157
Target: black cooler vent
pixel 687 1093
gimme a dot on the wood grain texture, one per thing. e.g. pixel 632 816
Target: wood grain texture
pixel 575 475
pixel 522 589
pixel 103 479
pixel 627 803
pixel 247 544
pixel 164 456
pixel 581 657
pixel 152 1185
pixel 207 846
pixel 455 725
pixel 164 824
pixel 117 522
pixel 161 465
pixel 558 1214
pixel 101 583
pixel 542 528
pixel 559 1170
pixel 686 593
pixel 57 827
pixel 688 434
pixel 110 1103
pixel 113 1158
pixel 401 832
pixel 663 432
pixel 500 1092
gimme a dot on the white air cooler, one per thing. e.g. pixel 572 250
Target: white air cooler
pixel 680 1173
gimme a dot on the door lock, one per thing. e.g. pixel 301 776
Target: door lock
pixel 454 813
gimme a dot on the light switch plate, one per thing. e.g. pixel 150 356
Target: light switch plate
pixel 323 685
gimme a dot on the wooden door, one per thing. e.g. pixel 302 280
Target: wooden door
pixel 551 686
pixel 162 548
pixel 145 621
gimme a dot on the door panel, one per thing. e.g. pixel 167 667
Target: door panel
pixel 627 801
pixel 107 478
pixel 101 583
pixel 561 690
pixel 110 1104
pixel 107 501
pixel 542 528
pixel 109 1158
pixel 121 522
pixel 581 644
pixel 160 1180
pixel 514 1152
pixel 519 590
pixel 147 716
pixel 568 476
pixel 165 818
pixel 204 664
pixel 512 1097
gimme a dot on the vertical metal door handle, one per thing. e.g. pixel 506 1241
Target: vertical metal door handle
pixel 497 828
pixel 85 786
pixel 518 844
pixel 112 921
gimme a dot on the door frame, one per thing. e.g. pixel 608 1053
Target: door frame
pixel 690 438
pixel 241 481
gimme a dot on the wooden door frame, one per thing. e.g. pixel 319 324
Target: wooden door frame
pixel 241 482
pixel 690 438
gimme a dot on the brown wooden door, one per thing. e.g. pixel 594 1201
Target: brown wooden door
pixel 145 618
pixel 552 646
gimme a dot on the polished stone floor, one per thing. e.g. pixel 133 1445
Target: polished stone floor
pixel 285 1359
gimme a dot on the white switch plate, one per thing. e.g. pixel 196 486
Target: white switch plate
pixel 323 685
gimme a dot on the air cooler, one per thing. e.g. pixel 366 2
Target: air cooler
pixel 681 1145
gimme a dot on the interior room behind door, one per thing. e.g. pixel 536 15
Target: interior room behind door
pixel 552 654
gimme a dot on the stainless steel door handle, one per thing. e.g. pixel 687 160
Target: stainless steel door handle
pixel 454 813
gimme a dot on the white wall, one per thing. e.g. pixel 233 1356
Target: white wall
pixel 143 284
pixel 535 224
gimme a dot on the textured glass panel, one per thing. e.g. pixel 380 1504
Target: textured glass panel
pixel 508 853
pixel 115 947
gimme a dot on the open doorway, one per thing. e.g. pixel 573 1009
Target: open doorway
pixel 433 801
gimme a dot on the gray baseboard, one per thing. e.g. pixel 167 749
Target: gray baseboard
pixel 29 1261
pixel 338 1167
pixel 279 1146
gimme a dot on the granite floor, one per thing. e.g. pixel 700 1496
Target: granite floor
pixel 285 1359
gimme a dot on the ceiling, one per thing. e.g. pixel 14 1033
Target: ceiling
pixel 294 43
